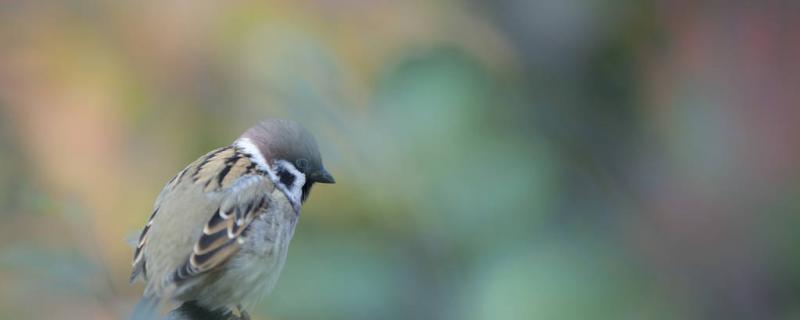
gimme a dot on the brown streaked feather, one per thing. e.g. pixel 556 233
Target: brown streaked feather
pixel 245 199
pixel 214 172
pixel 237 169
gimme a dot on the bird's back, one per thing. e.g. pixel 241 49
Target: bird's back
pixel 185 204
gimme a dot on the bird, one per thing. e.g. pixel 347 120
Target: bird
pixel 219 232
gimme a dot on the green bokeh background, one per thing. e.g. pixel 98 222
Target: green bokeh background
pixel 557 159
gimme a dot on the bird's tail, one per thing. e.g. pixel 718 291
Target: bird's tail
pixel 147 308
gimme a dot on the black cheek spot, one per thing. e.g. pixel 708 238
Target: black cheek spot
pixel 286 177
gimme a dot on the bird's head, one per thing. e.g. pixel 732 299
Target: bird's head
pixel 290 153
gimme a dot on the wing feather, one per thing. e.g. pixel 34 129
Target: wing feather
pixel 221 238
pixel 139 259
pixel 241 190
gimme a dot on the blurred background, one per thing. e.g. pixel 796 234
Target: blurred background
pixel 558 159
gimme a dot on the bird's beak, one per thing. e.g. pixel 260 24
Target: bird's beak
pixel 323 176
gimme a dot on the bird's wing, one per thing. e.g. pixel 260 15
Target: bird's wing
pixel 234 191
pixel 240 204
pixel 139 264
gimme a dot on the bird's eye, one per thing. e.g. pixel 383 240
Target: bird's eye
pixel 302 164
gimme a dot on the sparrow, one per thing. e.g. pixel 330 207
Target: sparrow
pixel 220 229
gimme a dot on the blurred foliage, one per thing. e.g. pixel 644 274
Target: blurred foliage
pixel 559 159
